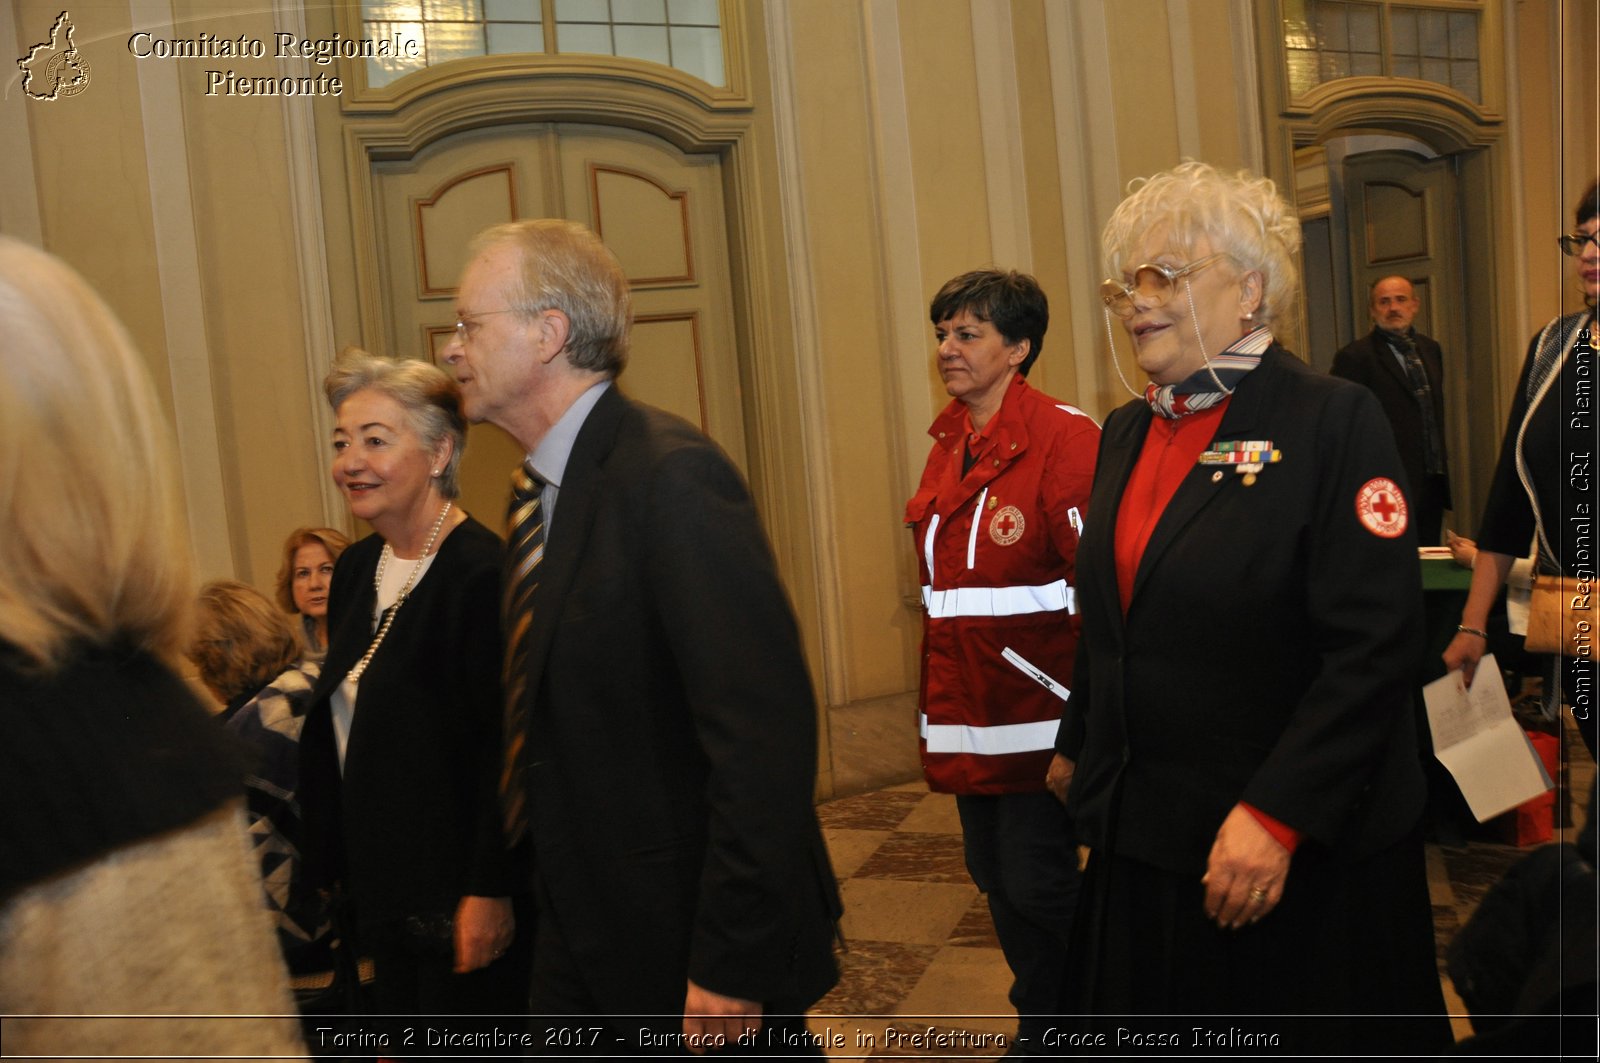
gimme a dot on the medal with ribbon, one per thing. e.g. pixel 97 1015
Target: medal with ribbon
pixel 1247 456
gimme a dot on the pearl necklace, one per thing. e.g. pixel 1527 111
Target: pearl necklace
pixel 405 592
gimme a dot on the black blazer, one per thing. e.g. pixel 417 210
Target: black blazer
pixel 1271 646
pixel 672 730
pixel 1368 361
pixel 413 825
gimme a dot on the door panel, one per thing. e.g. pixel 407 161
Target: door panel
pixel 658 209
pixel 1404 220
pixel 661 212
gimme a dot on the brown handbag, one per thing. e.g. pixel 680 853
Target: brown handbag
pixel 1561 616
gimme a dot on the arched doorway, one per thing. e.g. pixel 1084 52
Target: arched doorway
pixel 1426 167
pixel 1388 205
pixel 661 210
pixel 622 145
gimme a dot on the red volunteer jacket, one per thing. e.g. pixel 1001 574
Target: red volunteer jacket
pixel 996 550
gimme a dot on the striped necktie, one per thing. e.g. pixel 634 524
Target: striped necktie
pixel 524 551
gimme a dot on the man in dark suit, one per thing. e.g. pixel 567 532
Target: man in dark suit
pixel 661 724
pixel 1405 369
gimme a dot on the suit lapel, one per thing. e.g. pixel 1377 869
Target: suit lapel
pixel 1389 362
pixel 563 547
pixel 1198 488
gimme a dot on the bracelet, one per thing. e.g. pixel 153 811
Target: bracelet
pixel 1465 630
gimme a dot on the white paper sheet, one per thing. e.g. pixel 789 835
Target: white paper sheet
pixel 1478 740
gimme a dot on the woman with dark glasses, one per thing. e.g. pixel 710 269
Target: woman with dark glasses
pixel 1239 752
pixel 1544 487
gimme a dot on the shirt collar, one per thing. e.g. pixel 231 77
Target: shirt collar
pixel 550 457
pixel 954 423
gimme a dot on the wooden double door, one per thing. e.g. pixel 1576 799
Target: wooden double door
pixel 660 210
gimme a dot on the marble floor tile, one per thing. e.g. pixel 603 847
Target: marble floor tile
pixel 918 858
pixel 1460 1025
pixel 935 815
pixel 918 913
pixel 874 976
pixel 850 848
pixel 877 810
pixel 965 988
pixel 976 929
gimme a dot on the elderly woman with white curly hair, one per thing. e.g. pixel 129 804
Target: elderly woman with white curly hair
pixel 1239 751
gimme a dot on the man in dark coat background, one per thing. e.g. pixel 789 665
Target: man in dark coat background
pixel 1405 369
pixel 661 726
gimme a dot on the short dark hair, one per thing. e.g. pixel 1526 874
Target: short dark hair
pixel 1012 302
pixel 1589 205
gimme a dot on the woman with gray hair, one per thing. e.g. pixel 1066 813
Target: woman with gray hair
pixel 401 749
pixel 1248 783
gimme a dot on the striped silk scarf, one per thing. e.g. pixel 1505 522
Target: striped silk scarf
pixel 1212 383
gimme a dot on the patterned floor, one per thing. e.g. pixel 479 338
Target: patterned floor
pixel 924 974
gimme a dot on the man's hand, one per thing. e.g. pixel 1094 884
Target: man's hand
pixel 1245 871
pixel 484 929
pixel 708 1016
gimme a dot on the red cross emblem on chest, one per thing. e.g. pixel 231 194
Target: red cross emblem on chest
pixel 1007 525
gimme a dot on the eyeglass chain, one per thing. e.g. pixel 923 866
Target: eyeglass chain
pixel 405 592
pixel 1193 317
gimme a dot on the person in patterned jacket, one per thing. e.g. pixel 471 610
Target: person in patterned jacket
pixel 247 655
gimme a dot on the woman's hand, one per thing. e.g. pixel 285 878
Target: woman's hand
pixel 1488 575
pixel 1245 872
pixel 1464 550
pixel 1464 652
pixel 484 929
pixel 1059 776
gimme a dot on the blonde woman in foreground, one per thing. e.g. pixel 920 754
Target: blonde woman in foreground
pixel 126 887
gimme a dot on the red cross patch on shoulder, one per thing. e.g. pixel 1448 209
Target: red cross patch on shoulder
pixel 1381 507
pixel 1005 527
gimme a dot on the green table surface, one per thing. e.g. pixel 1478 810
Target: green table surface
pixel 1443 574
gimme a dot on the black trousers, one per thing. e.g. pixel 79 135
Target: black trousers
pixel 568 1021
pixel 425 1009
pixel 1022 853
